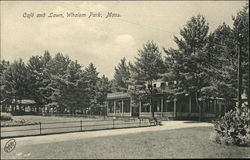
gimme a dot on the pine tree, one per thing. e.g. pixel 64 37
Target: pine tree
pixel 16 82
pixel 103 87
pixel 3 67
pixel 190 60
pixel 241 36
pixel 92 79
pixel 144 71
pixel 122 75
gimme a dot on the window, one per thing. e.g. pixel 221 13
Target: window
pixel 163 84
pixel 118 107
pixel 165 106
pixel 110 106
pixel 126 106
pixel 222 109
pixel 217 108
pixel 145 106
pixel 156 105
pixel 171 106
pixel 149 86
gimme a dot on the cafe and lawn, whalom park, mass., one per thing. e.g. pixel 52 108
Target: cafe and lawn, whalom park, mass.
pixel 124 79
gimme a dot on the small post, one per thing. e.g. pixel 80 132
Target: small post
pixel 81 124
pixel 139 122
pixel 40 124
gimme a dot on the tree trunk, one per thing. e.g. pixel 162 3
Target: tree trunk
pixel 239 76
pixel 199 106
pixel 248 80
pixel 152 107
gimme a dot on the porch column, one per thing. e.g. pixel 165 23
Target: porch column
pixel 122 106
pixel 150 107
pixel 140 108
pixel 130 106
pixel 175 107
pixel 114 106
pixel 162 106
pixel 107 106
pixel 219 108
pixel 214 106
pixel 190 104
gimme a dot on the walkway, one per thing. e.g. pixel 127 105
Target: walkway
pixel 167 125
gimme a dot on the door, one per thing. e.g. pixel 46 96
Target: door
pixel 135 111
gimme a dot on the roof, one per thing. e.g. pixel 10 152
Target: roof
pixel 117 95
pixel 25 101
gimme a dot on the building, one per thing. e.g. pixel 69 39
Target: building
pixel 23 106
pixel 184 107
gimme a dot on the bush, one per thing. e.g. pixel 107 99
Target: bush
pixel 233 128
pixel 5 116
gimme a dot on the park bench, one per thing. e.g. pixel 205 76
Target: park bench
pixel 155 121
pixel 152 121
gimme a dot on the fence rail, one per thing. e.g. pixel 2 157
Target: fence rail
pixel 71 126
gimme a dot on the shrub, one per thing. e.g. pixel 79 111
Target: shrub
pixel 233 128
pixel 6 116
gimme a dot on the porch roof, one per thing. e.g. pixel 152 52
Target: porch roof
pixel 25 102
pixel 118 95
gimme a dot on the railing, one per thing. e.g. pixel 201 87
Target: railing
pixel 71 126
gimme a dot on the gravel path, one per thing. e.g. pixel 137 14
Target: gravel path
pixel 167 125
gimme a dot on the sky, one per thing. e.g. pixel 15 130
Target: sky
pixel 100 40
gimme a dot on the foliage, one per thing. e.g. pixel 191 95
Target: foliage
pixel 16 81
pixel 5 116
pixel 147 67
pixel 233 127
pixel 56 82
pixel 190 62
pixel 121 76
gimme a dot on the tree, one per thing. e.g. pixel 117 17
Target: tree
pixel 144 71
pixel 72 89
pixel 231 48
pixel 16 82
pixel 35 68
pixel 241 35
pixel 190 61
pixel 122 75
pixel 3 67
pixel 103 87
pixel 55 70
pixel 92 79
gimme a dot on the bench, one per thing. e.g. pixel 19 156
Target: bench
pixel 155 122
pixel 152 121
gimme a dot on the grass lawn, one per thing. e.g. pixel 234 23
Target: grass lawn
pixel 178 143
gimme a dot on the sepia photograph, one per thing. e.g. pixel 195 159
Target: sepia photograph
pixel 124 79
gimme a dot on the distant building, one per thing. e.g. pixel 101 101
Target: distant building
pixel 120 104
pixel 20 106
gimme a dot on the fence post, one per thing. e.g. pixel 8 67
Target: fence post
pixel 81 125
pixel 40 124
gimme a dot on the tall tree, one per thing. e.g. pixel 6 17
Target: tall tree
pixel 146 68
pixel 35 68
pixel 122 75
pixel 103 88
pixel 241 35
pixel 92 79
pixel 56 69
pixel 3 67
pixel 16 81
pixel 190 59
